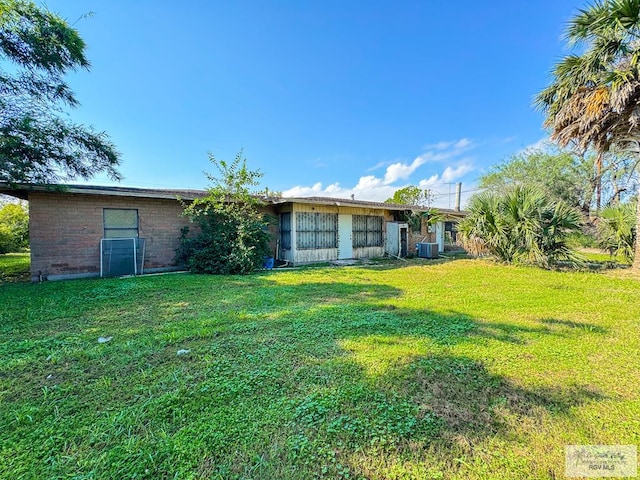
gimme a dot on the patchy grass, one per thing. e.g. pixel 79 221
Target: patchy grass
pixel 14 267
pixel 462 369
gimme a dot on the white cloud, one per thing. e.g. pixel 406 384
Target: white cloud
pixel 448 175
pixel 368 182
pixel 402 171
pixel 377 166
pixel 462 144
pixel 374 188
pixel 542 145
pixel 300 191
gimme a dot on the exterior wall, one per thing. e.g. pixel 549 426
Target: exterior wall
pixel 423 236
pixel 369 252
pixel 329 254
pixel 65 232
pixel 272 217
pixel 316 256
pixel 286 255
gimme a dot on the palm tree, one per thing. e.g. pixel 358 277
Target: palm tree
pixel 520 225
pixel 617 231
pixel 594 98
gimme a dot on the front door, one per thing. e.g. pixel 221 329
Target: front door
pixel 345 233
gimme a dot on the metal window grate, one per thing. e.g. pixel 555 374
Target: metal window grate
pixel 316 230
pixel 121 256
pixel 285 231
pixel 367 231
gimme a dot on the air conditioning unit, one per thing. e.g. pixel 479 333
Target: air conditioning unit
pixel 427 250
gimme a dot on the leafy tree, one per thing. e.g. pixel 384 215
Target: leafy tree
pixel 411 195
pixel 592 101
pixel 521 225
pixel 617 230
pixel 561 175
pixel 417 197
pixel 37 142
pixel 231 238
pixel 14 227
pixel 567 176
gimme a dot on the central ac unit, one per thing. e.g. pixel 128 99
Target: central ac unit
pixel 427 250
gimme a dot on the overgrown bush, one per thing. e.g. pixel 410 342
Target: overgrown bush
pixel 14 227
pixel 617 230
pixel 521 225
pixel 584 239
pixel 231 238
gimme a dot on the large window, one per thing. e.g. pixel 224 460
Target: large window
pixel 316 230
pixel 120 223
pixel 285 231
pixel 367 231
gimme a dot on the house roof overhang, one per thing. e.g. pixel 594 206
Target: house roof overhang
pixel 343 202
pixel 22 191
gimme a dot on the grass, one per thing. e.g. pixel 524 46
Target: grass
pixel 598 257
pixel 14 267
pixel 460 369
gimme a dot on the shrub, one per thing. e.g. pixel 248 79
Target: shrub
pixel 617 230
pixel 231 237
pixel 14 227
pixel 520 226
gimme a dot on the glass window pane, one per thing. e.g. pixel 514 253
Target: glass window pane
pixel 120 218
pixel 121 233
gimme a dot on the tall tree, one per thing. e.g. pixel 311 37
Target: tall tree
pixel 37 142
pixel 561 175
pixel 593 100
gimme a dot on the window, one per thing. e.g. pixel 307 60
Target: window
pixel 367 231
pixel 415 222
pixel 120 223
pixel 285 231
pixel 316 230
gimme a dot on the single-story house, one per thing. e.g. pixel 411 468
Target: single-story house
pixel 79 231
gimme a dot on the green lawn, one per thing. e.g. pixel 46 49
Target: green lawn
pixel 14 267
pixel 463 369
pixel 599 257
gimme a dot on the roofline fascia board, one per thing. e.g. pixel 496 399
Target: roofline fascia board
pixel 8 189
pixel 189 195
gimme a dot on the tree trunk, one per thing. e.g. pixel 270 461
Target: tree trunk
pixel 598 183
pixel 636 250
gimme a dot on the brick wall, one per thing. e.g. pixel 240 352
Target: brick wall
pixel 65 231
pixel 422 236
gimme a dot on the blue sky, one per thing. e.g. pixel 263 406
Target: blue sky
pixel 327 98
